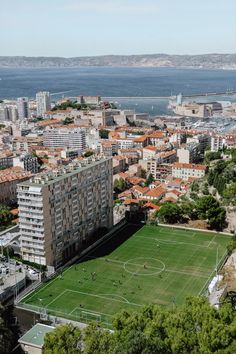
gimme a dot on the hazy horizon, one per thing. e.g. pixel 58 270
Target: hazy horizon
pixel 76 28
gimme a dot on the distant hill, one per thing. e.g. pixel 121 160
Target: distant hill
pixel 205 61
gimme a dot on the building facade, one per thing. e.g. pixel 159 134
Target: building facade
pixel 74 138
pixel 23 107
pixel 60 212
pixel 186 170
pixel 27 162
pixel 43 103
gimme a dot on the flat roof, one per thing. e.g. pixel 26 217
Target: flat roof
pixel 53 178
pixel 35 336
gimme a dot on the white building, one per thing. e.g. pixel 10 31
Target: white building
pixel 23 107
pixel 71 138
pixel 43 103
pixel 217 143
pixel 186 170
pixel 60 211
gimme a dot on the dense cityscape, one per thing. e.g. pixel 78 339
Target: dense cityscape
pixel 78 172
pixel 117 177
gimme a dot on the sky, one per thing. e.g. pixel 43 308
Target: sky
pixel 72 28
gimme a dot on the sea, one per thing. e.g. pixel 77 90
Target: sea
pixel 146 90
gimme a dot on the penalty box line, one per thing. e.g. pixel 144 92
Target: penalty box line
pixel 90 312
pixel 103 297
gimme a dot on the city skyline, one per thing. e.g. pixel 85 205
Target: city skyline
pixel 77 28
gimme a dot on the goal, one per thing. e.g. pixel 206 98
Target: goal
pixel 91 316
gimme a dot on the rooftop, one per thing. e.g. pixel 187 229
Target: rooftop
pixel 66 171
pixel 35 336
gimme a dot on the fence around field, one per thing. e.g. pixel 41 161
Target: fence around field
pixel 80 315
pixel 83 254
pixel 221 263
pixel 174 226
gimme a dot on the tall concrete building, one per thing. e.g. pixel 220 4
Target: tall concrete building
pixel 23 107
pixel 43 102
pixel 60 211
pixel 71 138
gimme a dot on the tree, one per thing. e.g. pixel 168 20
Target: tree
pixel 195 186
pixel 210 178
pixel 65 339
pixel 100 343
pixel 217 218
pixel 119 185
pixel 208 208
pixel 195 327
pixel 170 213
pixel 204 204
pixel 88 153
pixel 104 134
pixel 230 193
pixel 6 336
pixel 68 121
pixel 5 214
pixel 149 179
pixel 188 209
pixel 212 155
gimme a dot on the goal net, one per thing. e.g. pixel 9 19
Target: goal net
pixel 91 316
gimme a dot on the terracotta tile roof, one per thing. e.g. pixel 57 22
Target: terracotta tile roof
pixel 141 139
pixel 178 193
pixel 142 190
pixel 156 192
pixel 189 166
pixel 157 135
pixel 124 194
pixel 150 147
pixel 135 180
pixel 14 174
pixel 152 206
pixel 131 201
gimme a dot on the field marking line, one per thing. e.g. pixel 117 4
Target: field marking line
pixel 212 240
pixel 152 267
pixel 186 273
pixel 210 276
pixel 171 242
pixel 121 297
pixel 42 287
pixel 102 297
pixel 57 297
pixel 90 311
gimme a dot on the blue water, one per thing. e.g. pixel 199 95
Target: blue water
pixel 116 82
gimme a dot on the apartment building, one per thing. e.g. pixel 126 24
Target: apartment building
pixel 217 142
pixel 186 170
pixel 8 183
pixel 23 107
pixel 43 103
pixel 71 138
pixel 60 211
pixel 24 143
pixel 158 170
pixel 6 159
pixel 27 162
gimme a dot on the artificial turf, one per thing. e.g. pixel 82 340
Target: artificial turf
pixel 156 265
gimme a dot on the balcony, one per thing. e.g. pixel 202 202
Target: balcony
pixel 31 215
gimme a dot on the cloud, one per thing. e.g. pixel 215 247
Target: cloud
pixel 113 7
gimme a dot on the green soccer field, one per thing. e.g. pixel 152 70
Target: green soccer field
pixel 156 265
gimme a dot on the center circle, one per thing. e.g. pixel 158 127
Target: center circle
pixel 144 266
